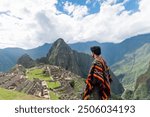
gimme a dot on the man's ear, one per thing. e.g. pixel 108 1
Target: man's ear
pixel 93 55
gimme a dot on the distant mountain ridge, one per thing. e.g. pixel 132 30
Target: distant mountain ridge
pixel 111 52
pixel 9 56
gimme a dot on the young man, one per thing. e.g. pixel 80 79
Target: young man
pixel 98 81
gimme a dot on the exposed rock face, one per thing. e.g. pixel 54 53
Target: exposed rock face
pixel 26 61
pixel 62 55
pixel 116 86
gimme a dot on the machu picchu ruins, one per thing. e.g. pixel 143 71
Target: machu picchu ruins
pixel 22 84
pixel 51 81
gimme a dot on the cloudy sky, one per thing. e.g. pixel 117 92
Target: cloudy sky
pixel 31 23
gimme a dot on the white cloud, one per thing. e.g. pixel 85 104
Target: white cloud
pixel 31 23
pixel 76 11
pixel 110 2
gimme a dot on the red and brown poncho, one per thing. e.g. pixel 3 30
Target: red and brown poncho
pixel 98 81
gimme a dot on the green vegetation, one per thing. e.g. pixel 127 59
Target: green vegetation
pixel 115 97
pixel 54 96
pixel 128 94
pixel 142 92
pixel 53 85
pixel 14 95
pixel 38 73
pixel 79 85
pixel 133 65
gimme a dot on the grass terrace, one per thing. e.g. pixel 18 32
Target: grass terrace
pixel 38 73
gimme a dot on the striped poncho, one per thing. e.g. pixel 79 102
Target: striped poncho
pixel 98 81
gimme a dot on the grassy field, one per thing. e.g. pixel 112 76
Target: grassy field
pixel 14 95
pixel 54 96
pixel 53 85
pixel 37 73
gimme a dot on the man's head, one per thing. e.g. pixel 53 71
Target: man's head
pixel 96 51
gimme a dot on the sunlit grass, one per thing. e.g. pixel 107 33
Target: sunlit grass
pixel 54 96
pixel 14 95
pixel 37 73
pixel 53 85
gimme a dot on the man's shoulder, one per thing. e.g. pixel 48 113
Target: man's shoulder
pixel 96 62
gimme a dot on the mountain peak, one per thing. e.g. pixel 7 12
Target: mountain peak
pixel 62 55
pixel 26 61
pixel 59 45
pixel 59 41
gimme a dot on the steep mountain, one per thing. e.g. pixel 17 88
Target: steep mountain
pixel 116 86
pixel 26 61
pixel 142 88
pixel 79 63
pixel 62 55
pixel 132 66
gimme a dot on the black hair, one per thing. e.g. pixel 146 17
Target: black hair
pixel 96 50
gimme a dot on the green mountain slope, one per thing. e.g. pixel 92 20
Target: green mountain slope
pixel 26 61
pixel 132 66
pixel 142 88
